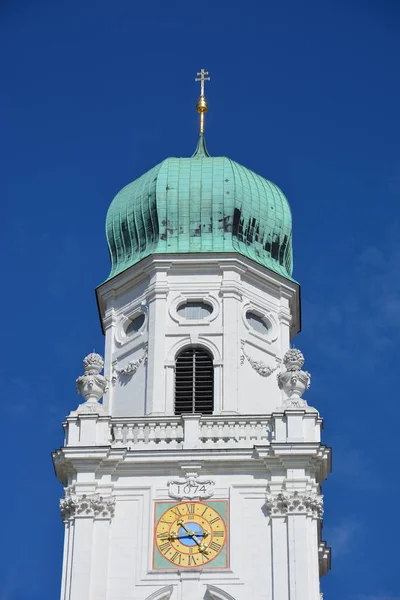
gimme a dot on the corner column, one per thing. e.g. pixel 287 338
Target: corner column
pixel 157 301
pixel 87 520
pixel 231 306
pixel 294 544
pixel 279 553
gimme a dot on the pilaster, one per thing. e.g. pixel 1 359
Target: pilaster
pixel 87 520
pixel 157 303
pixel 293 519
pixel 279 553
pixel 231 297
pixel 189 584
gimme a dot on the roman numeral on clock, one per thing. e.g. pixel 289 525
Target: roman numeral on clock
pixel 215 520
pixel 218 534
pixel 176 511
pixel 165 547
pixel 215 546
pixel 176 558
pixel 191 561
pixel 190 508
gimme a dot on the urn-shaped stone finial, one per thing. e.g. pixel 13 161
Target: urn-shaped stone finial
pixel 93 363
pixel 294 381
pixel 92 385
pixel 293 360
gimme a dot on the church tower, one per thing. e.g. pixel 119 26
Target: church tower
pixel 193 467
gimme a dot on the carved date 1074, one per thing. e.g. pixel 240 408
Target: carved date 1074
pixel 191 487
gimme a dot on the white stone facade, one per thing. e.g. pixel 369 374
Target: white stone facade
pixel 232 285
pixel 260 449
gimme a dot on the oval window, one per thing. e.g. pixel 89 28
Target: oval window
pixel 194 311
pixel 135 324
pixel 259 324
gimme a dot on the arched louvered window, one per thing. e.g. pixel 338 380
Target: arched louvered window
pixel 194 382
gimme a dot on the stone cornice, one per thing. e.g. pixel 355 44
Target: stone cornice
pixel 295 503
pixel 109 459
pixel 93 505
pixel 315 455
pixel 225 261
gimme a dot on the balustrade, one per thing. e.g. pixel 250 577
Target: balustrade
pixel 235 431
pixel 137 432
pixel 184 431
pixel 212 431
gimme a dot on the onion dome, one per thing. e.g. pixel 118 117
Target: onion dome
pixel 200 204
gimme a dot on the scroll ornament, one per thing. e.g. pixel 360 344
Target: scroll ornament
pixel 191 487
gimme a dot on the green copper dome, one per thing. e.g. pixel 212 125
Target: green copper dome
pixel 200 204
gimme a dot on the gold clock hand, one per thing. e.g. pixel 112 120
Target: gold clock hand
pixel 202 547
pixel 169 536
pixel 191 533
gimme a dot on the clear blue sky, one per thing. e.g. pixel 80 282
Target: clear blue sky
pixel 305 93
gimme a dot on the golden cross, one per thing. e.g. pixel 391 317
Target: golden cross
pixel 202 106
pixel 202 79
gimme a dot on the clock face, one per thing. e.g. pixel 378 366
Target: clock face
pixel 191 534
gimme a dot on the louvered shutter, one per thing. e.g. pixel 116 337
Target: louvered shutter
pixel 194 382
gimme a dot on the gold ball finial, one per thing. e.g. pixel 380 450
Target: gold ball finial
pixel 202 106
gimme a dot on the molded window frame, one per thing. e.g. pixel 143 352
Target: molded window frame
pixel 271 335
pixel 194 297
pixel 121 336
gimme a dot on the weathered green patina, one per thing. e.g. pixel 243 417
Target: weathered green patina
pixel 200 204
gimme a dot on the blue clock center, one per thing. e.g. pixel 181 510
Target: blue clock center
pixel 186 539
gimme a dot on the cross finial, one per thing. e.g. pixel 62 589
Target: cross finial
pixel 202 106
pixel 202 79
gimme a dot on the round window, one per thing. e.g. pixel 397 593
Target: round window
pixel 259 324
pixel 135 324
pixel 194 311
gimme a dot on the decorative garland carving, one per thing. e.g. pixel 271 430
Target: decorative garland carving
pixel 130 368
pixel 286 503
pixel 94 505
pixel 190 487
pixel 258 365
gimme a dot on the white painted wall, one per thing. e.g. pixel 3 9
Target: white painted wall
pixel 233 286
pixel 267 460
pixel 270 557
pixel 273 488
